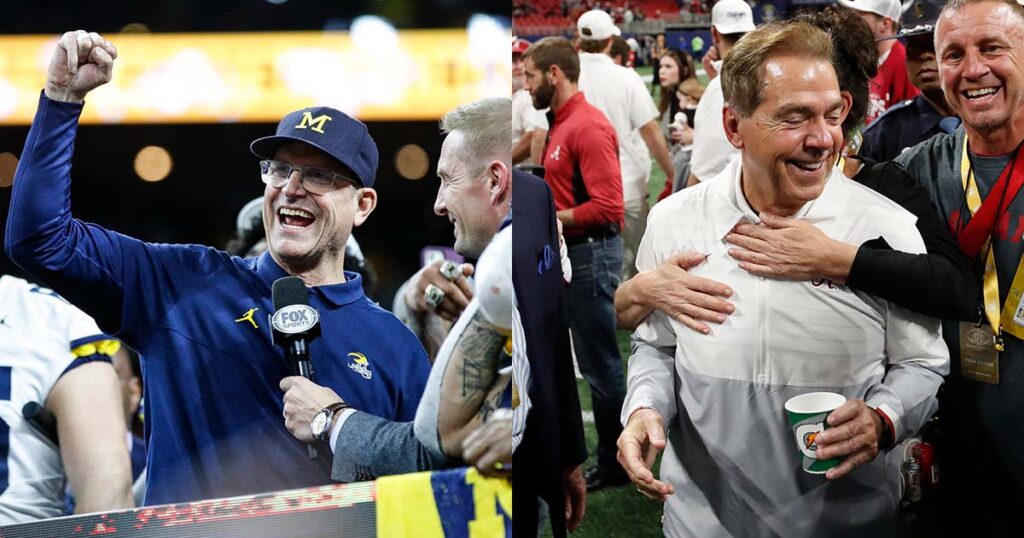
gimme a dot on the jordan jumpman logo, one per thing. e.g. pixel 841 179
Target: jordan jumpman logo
pixel 248 317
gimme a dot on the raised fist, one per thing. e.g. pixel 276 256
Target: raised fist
pixel 81 62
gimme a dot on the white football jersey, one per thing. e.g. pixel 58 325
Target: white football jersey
pixel 40 334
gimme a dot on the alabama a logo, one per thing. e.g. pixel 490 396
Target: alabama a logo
pixel 360 365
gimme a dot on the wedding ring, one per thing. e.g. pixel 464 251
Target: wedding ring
pixel 433 296
pixel 450 270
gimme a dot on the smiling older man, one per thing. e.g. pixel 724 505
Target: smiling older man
pixel 731 467
pixel 198 316
pixel 466 382
pixel 972 176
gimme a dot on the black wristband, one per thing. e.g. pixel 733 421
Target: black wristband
pixel 887 440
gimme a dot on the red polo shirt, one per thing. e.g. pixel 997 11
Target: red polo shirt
pixel 581 164
pixel 891 85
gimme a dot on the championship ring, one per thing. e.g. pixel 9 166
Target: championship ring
pixel 450 270
pixel 433 296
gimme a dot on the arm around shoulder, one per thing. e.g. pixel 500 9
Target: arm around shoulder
pixel 944 282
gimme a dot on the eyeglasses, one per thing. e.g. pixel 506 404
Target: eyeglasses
pixel 314 180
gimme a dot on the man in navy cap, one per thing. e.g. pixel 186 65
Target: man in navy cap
pixel 469 378
pixel 909 122
pixel 199 317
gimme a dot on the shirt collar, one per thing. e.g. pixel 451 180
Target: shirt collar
pixel 575 102
pixel 885 55
pixel 345 293
pixel 929 117
pixel 731 206
pixel 595 58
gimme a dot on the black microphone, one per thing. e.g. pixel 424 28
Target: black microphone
pixel 295 324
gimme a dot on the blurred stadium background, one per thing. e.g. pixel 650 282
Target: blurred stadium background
pixel 683 24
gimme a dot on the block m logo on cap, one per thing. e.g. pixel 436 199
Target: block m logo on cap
pixel 317 122
pixel 347 139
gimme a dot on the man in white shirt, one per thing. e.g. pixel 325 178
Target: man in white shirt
pixel 620 93
pixel 475 191
pixel 527 122
pixel 730 19
pixel 732 466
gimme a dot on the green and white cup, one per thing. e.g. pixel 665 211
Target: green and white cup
pixel 806 414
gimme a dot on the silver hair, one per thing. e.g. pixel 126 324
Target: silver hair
pixel 486 125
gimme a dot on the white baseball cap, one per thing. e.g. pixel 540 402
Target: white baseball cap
pixel 732 17
pixel 883 8
pixel 596 24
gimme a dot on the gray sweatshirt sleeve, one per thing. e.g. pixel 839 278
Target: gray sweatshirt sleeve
pixel 917 361
pixel 369 447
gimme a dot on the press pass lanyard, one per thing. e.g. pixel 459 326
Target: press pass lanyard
pixel 977 236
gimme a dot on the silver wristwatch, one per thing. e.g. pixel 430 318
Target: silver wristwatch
pixel 324 419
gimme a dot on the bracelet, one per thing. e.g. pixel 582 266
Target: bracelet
pixel 888 439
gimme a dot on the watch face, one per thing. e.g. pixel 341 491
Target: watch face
pixel 319 423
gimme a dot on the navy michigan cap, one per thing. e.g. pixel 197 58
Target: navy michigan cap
pixel 331 131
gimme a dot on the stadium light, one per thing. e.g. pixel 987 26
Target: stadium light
pixel 153 163
pixel 135 28
pixel 370 32
pixel 487 36
pixel 8 164
pixel 412 162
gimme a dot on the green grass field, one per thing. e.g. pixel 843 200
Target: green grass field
pixel 620 511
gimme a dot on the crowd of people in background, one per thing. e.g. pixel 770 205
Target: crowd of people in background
pixel 861 156
pixel 622 12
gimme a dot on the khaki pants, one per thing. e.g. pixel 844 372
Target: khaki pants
pixel 632 233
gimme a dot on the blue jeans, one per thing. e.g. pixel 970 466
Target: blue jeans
pixel 596 268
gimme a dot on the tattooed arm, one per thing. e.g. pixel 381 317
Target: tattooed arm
pixel 472 387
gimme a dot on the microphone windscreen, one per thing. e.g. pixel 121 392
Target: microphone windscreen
pixel 289 291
